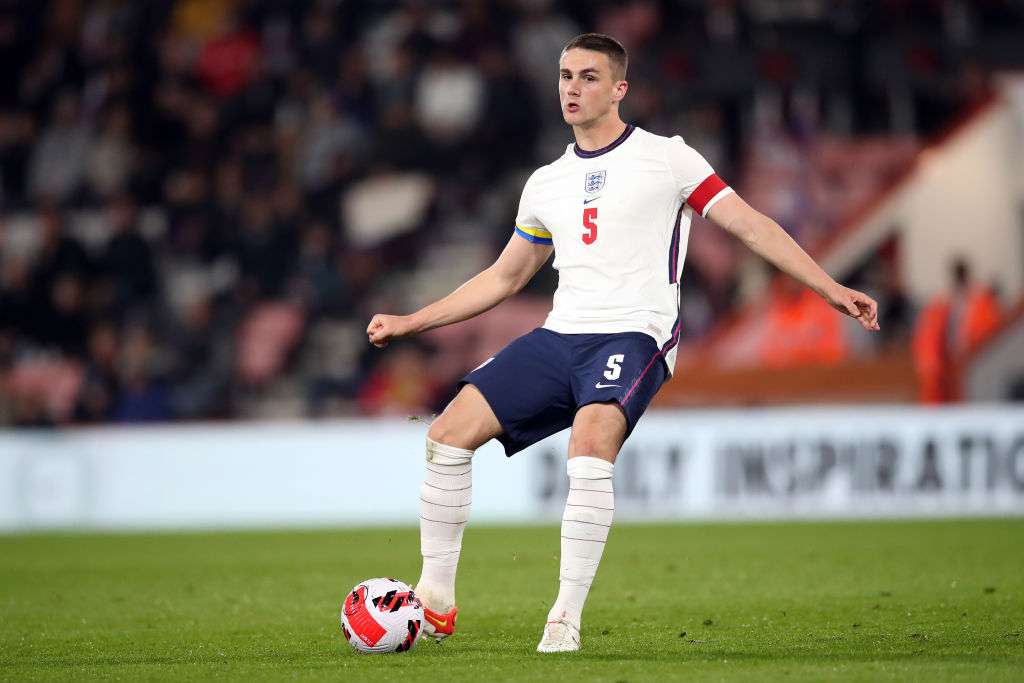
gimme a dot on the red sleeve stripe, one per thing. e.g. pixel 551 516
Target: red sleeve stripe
pixel 705 192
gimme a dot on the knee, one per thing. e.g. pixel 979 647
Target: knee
pixel 441 432
pixel 602 449
pixel 598 431
pixel 594 444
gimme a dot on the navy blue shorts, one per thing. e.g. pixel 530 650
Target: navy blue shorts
pixel 536 384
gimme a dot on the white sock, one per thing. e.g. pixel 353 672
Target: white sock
pixel 585 524
pixel 445 498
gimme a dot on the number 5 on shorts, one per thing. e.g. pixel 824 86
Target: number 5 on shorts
pixel 614 369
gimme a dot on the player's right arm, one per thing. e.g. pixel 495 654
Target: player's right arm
pixel 768 240
pixel 520 260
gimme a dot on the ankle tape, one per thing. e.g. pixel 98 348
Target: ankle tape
pixel 447 455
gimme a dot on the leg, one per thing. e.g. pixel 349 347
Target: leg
pixel 597 434
pixel 614 378
pixel 520 396
pixel 445 497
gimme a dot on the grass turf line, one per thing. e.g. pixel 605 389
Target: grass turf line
pixel 935 600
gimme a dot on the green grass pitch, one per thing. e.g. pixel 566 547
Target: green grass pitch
pixel 930 600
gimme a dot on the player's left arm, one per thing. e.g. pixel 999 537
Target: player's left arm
pixel 768 240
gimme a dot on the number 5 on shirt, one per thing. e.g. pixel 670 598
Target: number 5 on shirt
pixel 589 216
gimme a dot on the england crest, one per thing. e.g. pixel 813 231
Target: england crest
pixel 595 181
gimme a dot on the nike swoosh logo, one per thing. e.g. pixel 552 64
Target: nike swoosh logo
pixel 605 386
pixel 592 199
pixel 436 622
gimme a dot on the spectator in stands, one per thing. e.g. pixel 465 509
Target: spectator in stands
pixel 895 315
pixel 399 143
pixel 17 139
pixel 143 396
pixel 61 275
pixel 318 281
pixel 59 159
pixel 100 385
pixel 318 43
pixel 951 325
pixel 354 90
pixel 510 110
pixel 64 314
pixel 327 133
pixel 228 59
pixel 201 358
pixel 112 156
pixel 799 330
pixel 265 251
pixel 128 264
pixel 17 307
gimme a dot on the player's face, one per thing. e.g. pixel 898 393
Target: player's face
pixel 587 88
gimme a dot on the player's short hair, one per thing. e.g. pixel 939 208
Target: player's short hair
pixel 606 45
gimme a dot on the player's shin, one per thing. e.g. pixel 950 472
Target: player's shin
pixel 445 499
pixel 585 524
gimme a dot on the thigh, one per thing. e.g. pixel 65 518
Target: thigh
pixel 528 388
pixel 626 368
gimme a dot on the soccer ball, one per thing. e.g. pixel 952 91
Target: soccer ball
pixel 382 615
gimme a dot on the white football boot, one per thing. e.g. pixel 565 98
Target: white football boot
pixel 559 636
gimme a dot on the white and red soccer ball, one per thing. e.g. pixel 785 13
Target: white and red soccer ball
pixel 382 615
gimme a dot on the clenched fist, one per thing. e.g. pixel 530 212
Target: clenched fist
pixel 383 328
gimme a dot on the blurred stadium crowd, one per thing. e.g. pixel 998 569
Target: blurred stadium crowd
pixel 203 201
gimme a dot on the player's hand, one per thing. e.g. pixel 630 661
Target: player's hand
pixel 856 305
pixel 383 328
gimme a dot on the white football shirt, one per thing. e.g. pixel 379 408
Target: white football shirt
pixel 619 218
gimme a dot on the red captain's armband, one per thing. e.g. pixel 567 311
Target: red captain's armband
pixel 705 192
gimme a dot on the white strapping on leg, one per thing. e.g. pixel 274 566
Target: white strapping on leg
pixel 445 499
pixel 585 524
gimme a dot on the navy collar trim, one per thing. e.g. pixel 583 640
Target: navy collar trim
pixel 584 154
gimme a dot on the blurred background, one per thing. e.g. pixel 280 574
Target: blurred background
pixel 202 202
